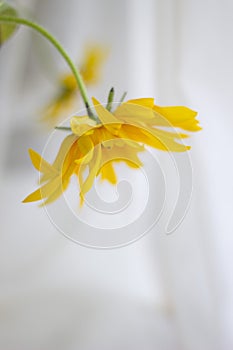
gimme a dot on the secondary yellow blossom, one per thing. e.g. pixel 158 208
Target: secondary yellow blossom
pixel 66 98
pixel 93 148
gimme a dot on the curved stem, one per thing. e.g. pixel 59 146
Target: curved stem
pixel 61 50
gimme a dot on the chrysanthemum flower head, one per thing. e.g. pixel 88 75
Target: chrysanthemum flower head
pixel 93 147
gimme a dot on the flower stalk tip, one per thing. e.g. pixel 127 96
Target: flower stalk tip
pixel 110 99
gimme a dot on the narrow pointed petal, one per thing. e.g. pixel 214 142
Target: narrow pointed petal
pixel 86 147
pixel 63 151
pixel 86 158
pixel 129 112
pixel 80 174
pixel 109 121
pixel 107 172
pixel 33 197
pixel 40 164
pixel 146 102
pixel 62 159
pixel 177 116
pixel 93 170
pixel 125 154
pixel 43 192
pixel 58 191
pixel 161 141
pixel 82 125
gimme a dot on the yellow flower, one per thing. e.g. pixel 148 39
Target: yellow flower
pixel 93 147
pixel 54 177
pixel 66 99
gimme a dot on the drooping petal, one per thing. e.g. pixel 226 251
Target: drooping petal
pixel 63 151
pixel 41 164
pixel 177 116
pixel 86 147
pixel 146 102
pixel 109 121
pixel 93 170
pixel 33 197
pixel 69 166
pixel 58 191
pixel 61 161
pixel 45 191
pixel 143 111
pixel 82 125
pixel 129 112
pixel 107 172
pixel 80 175
pixel 125 154
pixel 157 140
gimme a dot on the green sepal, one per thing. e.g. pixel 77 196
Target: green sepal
pixel 110 99
pixel 6 29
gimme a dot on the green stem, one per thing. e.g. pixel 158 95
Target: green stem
pixel 64 128
pixel 62 51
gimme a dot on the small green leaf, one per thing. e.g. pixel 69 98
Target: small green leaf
pixel 6 29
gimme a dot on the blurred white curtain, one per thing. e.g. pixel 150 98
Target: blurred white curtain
pixel 181 52
pixel 196 53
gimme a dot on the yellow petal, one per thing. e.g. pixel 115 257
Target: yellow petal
pixel 125 154
pixel 157 140
pixel 44 191
pixel 80 174
pixel 107 172
pixel 134 112
pixel 62 160
pixel 82 125
pixel 146 102
pixel 93 170
pixel 58 191
pixel 177 116
pixel 40 164
pixel 87 149
pixel 63 151
pixel 33 197
pixel 109 121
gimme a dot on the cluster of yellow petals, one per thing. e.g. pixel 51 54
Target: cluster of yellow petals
pixel 93 147
pixel 65 100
